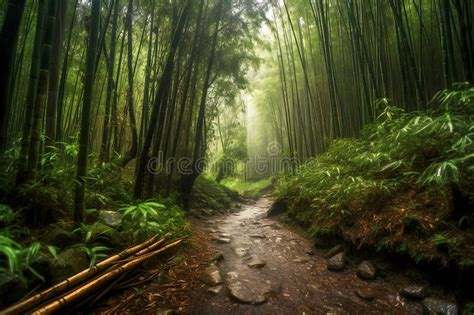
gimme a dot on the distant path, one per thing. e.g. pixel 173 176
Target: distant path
pixel 291 281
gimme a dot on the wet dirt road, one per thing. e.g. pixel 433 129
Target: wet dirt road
pixel 269 265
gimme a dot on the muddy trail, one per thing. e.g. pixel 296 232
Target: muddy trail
pixel 246 263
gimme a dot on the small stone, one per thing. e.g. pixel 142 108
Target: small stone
pixel 413 291
pixel 218 257
pixel 311 252
pixel 337 262
pixel 261 236
pixel 224 235
pixel 222 240
pixel 215 290
pixel 433 306
pixel 211 276
pixel 365 294
pixel 334 250
pixel 366 270
pixel 257 264
pixel 241 252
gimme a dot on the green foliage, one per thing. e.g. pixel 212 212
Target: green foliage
pixel 144 220
pixel 18 259
pixel 7 216
pixel 208 194
pixel 250 188
pixel 95 253
pixel 468 309
pixel 402 173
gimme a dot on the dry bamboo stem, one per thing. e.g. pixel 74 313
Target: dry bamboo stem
pixel 76 279
pixel 98 282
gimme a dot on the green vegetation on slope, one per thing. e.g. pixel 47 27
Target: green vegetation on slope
pixel 406 185
pixel 248 188
pixel 208 195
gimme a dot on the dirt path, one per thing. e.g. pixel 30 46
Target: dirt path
pixel 290 281
pixel 266 269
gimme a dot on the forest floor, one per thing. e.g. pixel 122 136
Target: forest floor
pixel 256 265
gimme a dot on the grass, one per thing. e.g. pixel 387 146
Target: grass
pixel 405 186
pixel 248 188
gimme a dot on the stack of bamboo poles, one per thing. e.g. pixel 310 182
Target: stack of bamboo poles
pixel 90 280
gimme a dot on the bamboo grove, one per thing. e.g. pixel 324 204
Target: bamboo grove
pixel 337 64
pixel 126 80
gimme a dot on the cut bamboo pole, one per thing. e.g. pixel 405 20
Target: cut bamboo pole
pixel 98 282
pixel 78 278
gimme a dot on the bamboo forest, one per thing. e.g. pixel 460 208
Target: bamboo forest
pixel 237 157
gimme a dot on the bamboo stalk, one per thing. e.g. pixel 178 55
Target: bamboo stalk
pixel 98 282
pixel 76 279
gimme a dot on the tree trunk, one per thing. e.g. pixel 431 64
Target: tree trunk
pixel 51 109
pixel 159 99
pixel 79 198
pixel 188 181
pixel 8 44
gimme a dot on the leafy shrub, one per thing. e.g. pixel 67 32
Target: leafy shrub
pixel 144 220
pixel 18 259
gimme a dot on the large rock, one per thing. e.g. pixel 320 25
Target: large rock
pixel 433 306
pixel 12 288
pixel 211 276
pixel 110 218
pixel 366 270
pixel 413 291
pixel 62 238
pixel 337 262
pixel 68 263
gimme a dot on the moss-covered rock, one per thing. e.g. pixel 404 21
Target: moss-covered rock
pixel 103 234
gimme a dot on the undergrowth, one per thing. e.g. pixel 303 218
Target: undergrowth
pixel 208 194
pixel 406 185
pixel 248 188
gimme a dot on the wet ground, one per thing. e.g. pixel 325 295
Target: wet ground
pixel 267 264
